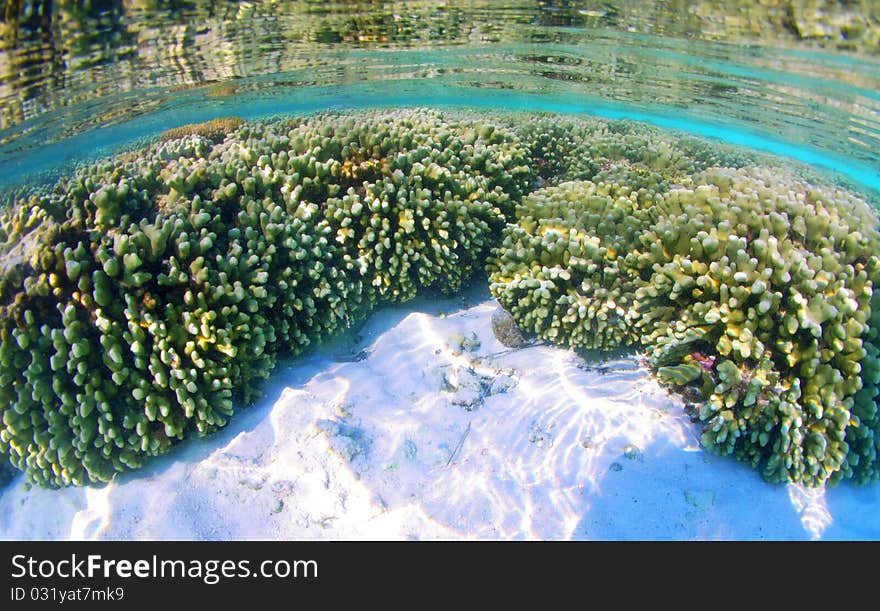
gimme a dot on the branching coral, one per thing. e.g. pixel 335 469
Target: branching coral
pixel 145 296
pixel 749 284
pixel 558 269
pixel 564 149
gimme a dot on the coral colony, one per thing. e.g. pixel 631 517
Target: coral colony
pixel 144 296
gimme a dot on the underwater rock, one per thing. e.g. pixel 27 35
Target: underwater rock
pixel 501 384
pixel 466 387
pixel 460 344
pixel 471 343
pixel 632 452
pixel 469 395
pixel 506 330
pixel 350 442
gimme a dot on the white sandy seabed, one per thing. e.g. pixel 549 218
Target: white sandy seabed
pixel 423 426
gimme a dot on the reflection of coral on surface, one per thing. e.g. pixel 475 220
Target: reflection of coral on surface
pixel 214 130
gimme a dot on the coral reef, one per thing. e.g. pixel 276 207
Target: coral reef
pixel 565 149
pixel 557 270
pixel 748 286
pixel 146 295
pixel 773 277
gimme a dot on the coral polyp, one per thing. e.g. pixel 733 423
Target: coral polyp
pixel 146 296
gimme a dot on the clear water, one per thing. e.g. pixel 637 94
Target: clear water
pixel 79 79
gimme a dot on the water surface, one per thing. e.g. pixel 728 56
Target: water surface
pixel 792 77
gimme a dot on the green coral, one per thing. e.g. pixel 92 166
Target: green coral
pixel 679 375
pixel 146 295
pixel 558 269
pixel 751 285
pixel 568 149
pixel 776 276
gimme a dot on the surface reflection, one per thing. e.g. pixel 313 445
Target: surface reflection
pixel 70 63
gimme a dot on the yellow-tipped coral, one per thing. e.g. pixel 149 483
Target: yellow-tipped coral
pixel 145 296
pixel 750 285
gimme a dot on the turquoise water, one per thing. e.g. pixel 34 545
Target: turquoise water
pixel 78 80
pixel 103 141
